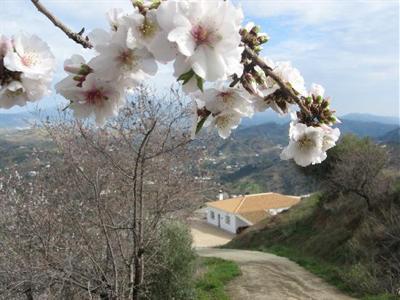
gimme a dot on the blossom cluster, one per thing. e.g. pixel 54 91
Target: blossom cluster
pixel 26 69
pixel 211 53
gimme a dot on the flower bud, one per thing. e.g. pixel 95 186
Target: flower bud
pixel 332 119
pixel 256 29
pixel 85 70
pixel 263 39
pixel 243 31
pixel 77 78
pixel 325 104
pixel 257 48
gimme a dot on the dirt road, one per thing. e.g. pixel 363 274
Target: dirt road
pixel 269 277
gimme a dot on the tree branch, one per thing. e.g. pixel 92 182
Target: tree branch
pixel 269 72
pixel 77 37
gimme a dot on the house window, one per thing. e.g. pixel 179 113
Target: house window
pixel 227 219
pixel 212 215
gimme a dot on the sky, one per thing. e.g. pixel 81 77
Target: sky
pixel 350 47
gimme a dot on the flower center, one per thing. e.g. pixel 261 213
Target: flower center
pixel 305 142
pixel 29 60
pixel 148 28
pixel 200 34
pixel 15 93
pixel 226 96
pixel 95 96
pixel 222 121
pixel 128 58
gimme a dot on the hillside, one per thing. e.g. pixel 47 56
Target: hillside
pixel 348 233
pixel 249 160
pixel 392 137
pixel 355 256
pixel 20 146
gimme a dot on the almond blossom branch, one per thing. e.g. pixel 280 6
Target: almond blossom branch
pixel 269 72
pixel 77 37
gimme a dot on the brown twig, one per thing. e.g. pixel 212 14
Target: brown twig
pixel 77 37
pixel 269 72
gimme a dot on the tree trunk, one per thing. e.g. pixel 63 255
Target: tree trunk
pixel 29 294
pixel 139 275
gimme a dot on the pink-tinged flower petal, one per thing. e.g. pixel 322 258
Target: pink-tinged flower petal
pixel 184 40
pixel 208 64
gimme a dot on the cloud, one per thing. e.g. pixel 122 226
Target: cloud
pixel 351 47
pixel 316 12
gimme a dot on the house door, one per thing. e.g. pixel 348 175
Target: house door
pixel 219 221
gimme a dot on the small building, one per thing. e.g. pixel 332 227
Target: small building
pixel 237 213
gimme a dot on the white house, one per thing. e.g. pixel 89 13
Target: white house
pixel 240 212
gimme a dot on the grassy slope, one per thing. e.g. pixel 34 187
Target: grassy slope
pixel 305 236
pixel 218 272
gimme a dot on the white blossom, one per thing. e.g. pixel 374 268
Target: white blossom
pixel 305 145
pixel 78 70
pixel 331 136
pixel 181 66
pixel 12 94
pixel 223 98
pixel 308 145
pixel 29 65
pixel 121 57
pixel 19 92
pixel 115 18
pixel 225 122
pixel 207 33
pixel 149 34
pixel 317 90
pixel 31 56
pixel 96 97
pixel 287 73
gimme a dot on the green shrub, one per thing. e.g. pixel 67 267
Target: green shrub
pixel 174 276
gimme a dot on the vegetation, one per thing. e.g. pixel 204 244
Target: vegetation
pixel 218 272
pixel 249 160
pixel 349 234
pixel 174 280
pixel 89 220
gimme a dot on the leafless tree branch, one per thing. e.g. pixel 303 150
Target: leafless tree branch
pixel 77 37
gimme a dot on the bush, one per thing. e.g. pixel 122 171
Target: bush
pixel 174 274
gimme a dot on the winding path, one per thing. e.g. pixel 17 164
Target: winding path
pixel 269 277
pixel 264 276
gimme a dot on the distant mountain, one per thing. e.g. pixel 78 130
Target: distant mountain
pixel 363 128
pixel 25 119
pixel 372 118
pixel 21 120
pixel 278 132
pixel 392 137
pixel 265 117
pixel 270 116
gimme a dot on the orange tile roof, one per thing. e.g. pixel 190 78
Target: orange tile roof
pixel 254 216
pixel 254 206
pixel 228 205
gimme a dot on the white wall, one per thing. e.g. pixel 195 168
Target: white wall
pixel 231 227
pixel 241 223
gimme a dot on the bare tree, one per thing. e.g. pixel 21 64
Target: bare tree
pixel 86 226
pixel 356 167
